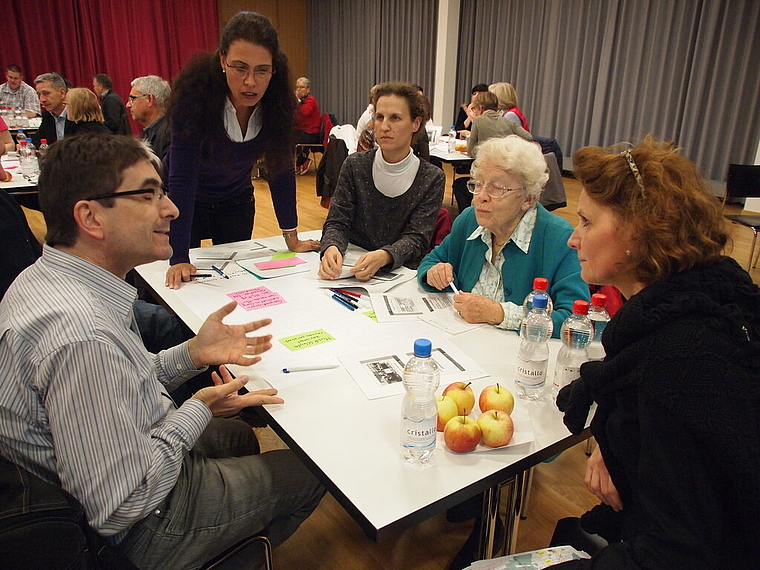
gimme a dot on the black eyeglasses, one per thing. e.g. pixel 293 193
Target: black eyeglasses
pixel 158 194
pixel 133 97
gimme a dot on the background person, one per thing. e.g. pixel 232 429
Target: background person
pixel 84 111
pixel 508 106
pixel 487 123
pixel 16 93
pixel 464 118
pixel 307 124
pixel 8 145
pixel 242 92
pixel 85 406
pixel 386 200
pixel 678 417
pixel 114 111
pixel 505 240
pixel 147 102
pixel 51 88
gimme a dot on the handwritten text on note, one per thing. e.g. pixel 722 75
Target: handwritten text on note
pixel 256 298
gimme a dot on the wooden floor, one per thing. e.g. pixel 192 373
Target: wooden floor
pixel 331 540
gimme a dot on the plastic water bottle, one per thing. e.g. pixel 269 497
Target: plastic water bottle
pixel 28 159
pixel 599 318
pixel 533 355
pixel 576 334
pixel 540 286
pixel 42 151
pixel 23 119
pixel 20 136
pixel 452 139
pixel 419 411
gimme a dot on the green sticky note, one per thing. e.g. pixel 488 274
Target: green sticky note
pixel 284 255
pixel 305 340
pixel 371 315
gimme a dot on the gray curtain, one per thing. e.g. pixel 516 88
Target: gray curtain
pixel 603 71
pixel 354 44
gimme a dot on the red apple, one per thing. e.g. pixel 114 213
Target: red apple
pixel 447 409
pixel 496 397
pixel 497 428
pixel 462 434
pixel 462 394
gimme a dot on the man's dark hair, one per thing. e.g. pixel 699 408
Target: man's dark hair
pixel 479 88
pixel 104 80
pixel 77 167
pixel 13 67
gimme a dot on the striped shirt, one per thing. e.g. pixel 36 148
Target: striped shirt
pixel 82 403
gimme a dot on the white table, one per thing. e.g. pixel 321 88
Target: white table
pixel 352 443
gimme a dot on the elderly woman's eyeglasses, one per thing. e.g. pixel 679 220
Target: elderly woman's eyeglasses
pixel 260 72
pixel 157 193
pixel 492 189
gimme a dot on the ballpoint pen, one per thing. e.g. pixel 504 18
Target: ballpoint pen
pixel 199 275
pixel 350 300
pixel 346 304
pixel 290 369
pixel 220 272
pixel 454 288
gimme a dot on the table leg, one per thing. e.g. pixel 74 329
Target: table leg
pixel 511 489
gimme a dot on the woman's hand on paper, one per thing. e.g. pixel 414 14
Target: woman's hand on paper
pixel 370 263
pixel 331 264
pixel 475 308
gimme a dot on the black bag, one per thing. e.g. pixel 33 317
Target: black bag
pixel 42 526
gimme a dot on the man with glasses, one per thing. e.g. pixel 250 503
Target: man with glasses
pixel 85 406
pixel 147 103
pixel 308 123
pixel 114 111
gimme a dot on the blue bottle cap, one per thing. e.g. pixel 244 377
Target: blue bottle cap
pixel 422 347
pixel 540 301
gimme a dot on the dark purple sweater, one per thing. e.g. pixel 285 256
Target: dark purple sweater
pixel 197 177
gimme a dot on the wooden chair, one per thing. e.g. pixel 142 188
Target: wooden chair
pixel 743 181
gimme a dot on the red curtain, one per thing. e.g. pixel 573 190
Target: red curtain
pixel 123 38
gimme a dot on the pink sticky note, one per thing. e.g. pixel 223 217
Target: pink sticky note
pixel 256 298
pixel 279 263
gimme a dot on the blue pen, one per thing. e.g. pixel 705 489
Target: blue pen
pixel 220 272
pixel 351 301
pixel 348 306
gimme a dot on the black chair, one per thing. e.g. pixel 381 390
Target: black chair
pixel 325 127
pixel 743 181
pixel 42 526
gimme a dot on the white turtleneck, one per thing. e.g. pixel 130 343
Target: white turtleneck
pixel 393 180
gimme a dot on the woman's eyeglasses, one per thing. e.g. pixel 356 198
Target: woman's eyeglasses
pixel 260 72
pixel 492 189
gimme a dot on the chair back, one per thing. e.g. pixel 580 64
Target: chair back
pixel 325 128
pixel 743 181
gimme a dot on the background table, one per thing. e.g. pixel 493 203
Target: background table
pixel 352 443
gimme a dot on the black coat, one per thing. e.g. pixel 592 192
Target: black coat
pixel 678 423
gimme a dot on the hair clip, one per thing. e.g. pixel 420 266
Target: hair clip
pixel 635 170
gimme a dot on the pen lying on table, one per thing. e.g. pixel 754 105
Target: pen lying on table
pixel 307 368
pixel 220 272
pixel 345 303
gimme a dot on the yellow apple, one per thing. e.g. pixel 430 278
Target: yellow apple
pixel 447 409
pixel 496 397
pixel 462 434
pixel 496 428
pixel 462 394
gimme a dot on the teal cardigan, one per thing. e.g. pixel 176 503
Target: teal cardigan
pixel 548 256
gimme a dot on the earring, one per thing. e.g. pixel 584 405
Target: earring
pixel 628 252
pixel 224 70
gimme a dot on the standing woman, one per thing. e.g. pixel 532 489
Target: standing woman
pixel 678 394
pixel 508 106
pixel 227 109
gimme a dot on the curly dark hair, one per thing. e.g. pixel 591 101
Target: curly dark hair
pixel 200 91
pixel 672 217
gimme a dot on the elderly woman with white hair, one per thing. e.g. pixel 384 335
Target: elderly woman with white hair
pixel 504 240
